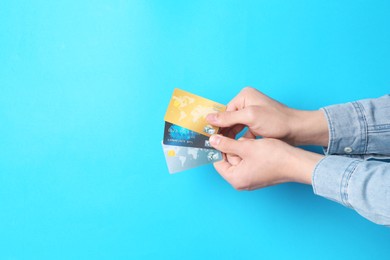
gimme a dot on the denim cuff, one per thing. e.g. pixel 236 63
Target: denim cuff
pixel 347 129
pixel 331 177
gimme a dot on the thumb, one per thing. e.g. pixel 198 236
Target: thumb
pixel 225 144
pixel 229 118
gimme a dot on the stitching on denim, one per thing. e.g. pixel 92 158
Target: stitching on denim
pixel 380 128
pixel 359 119
pixel 363 125
pixel 314 175
pixel 345 182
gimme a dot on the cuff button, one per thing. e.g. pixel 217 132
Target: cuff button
pixel 348 149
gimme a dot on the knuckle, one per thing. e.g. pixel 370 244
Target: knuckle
pixel 247 89
pixel 222 116
pixel 251 113
pixel 217 116
pixel 225 144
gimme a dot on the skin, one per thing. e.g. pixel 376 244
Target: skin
pixel 251 163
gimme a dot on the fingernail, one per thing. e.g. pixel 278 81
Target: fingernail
pixel 212 117
pixel 215 139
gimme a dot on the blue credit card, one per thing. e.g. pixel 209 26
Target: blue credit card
pixel 180 136
pixel 181 158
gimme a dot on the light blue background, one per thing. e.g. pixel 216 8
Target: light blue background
pixel 83 90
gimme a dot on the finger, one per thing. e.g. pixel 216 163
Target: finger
pixel 231 118
pixel 233 159
pixel 225 144
pixel 224 168
pixel 238 102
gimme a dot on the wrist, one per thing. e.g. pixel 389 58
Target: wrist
pixel 301 165
pixel 309 128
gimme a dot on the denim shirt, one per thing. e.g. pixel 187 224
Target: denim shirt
pixel 356 170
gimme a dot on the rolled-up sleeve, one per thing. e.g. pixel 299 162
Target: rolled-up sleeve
pixel 360 127
pixel 355 183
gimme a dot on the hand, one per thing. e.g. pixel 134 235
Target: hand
pixel 255 163
pixel 268 118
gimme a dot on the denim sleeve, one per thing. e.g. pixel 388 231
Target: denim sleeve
pixel 360 127
pixel 355 183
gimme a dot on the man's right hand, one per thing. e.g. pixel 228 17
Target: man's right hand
pixel 267 117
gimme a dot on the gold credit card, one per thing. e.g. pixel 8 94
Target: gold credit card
pixel 189 111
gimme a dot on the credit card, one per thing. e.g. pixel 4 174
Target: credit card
pixel 180 158
pixel 189 111
pixel 180 136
